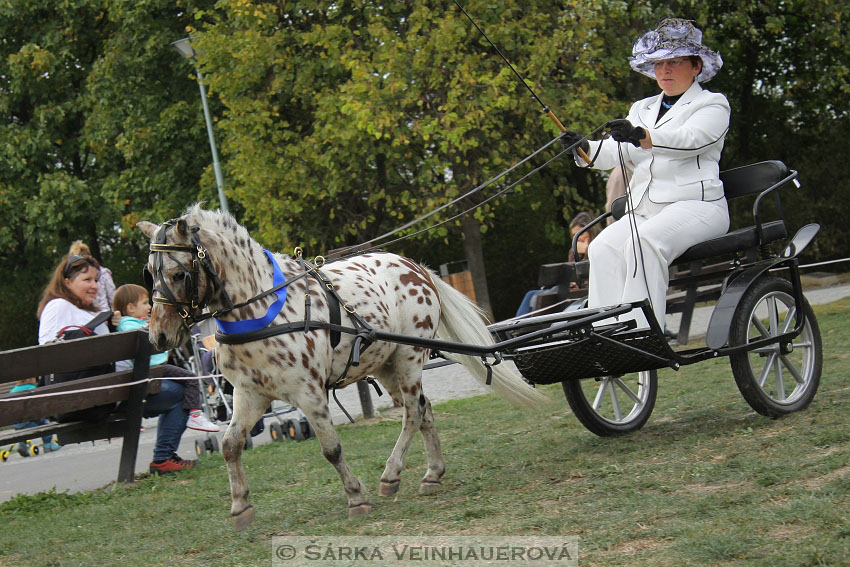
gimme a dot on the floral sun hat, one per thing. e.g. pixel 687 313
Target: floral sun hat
pixel 673 37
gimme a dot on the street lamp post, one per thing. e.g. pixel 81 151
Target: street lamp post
pixel 184 47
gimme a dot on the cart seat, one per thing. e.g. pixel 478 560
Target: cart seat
pixel 754 179
pixel 734 241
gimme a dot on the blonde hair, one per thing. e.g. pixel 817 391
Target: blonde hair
pixel 127 294
pixel 79 248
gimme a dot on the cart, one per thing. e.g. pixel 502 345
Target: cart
pixel 761 321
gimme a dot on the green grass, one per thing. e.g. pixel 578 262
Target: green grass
pixel 706 482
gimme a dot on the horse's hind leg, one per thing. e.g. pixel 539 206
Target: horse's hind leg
pixel 315 408
pixel 248 408
pixel 417 413
pixel 436 466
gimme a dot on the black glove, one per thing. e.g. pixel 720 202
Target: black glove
pixel 623 131
pixel 570 138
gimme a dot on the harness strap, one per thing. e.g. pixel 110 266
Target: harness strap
pixel 282 329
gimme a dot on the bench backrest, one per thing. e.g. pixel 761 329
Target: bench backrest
pixel 67 356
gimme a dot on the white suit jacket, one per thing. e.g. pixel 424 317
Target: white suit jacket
pixel 683 163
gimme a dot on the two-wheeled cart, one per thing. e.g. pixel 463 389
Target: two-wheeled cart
pixel 761 321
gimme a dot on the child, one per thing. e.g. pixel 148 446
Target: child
pixel 132 301
pixel 49 444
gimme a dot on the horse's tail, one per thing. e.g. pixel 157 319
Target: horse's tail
pixel 462 321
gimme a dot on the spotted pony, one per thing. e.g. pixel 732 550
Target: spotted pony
pixel 387 291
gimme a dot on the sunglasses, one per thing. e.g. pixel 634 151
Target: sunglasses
pixel 69 265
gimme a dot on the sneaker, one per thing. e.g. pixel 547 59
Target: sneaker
pixel 171 465
pixel 52 446
pixel 198 421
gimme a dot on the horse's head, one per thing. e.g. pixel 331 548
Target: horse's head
pixel 180 275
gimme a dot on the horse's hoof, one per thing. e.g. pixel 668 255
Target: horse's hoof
pixel 359 510
pixel 430 486
pixel 389 487
pixel 243 518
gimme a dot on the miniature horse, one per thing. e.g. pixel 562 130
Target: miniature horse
pixel 389 292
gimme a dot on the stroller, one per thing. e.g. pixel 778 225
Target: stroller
pixel 288 422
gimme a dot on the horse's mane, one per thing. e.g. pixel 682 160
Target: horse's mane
pixel 218 221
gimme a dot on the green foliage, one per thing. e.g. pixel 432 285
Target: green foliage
pixel 340 121
pixel 98 115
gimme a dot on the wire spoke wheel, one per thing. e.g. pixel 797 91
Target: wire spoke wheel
pixel 783 377
pixel 613 405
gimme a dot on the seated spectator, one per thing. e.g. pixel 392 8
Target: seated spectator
pixel 581 220
pixel 48 443
pixel 133 302
pixel 67 300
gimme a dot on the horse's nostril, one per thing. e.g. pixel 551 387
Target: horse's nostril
pixel 160 341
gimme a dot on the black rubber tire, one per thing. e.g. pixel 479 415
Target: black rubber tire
pixel 765 294
pixel 212 444
pixel 602 425
pixel 249 443
pixel 200 448
pixel 294 430
pixel 276 432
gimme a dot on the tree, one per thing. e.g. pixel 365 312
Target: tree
pixel 94 131
pixel 344 120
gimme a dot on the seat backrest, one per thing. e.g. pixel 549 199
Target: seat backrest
pixel 752 179
pixel 737 182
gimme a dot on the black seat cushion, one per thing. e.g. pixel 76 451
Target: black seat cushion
pixel 734 241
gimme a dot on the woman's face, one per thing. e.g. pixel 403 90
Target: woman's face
pixel 676 75
pixel 83 284
pixel 583 240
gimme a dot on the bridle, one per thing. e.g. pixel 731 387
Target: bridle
pixel 190 311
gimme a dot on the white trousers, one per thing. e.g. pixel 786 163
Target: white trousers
pixel 626 267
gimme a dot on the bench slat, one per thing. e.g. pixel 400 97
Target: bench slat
pixel 23 409
pixel 67 356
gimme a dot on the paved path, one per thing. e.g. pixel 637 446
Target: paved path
pixel 88 466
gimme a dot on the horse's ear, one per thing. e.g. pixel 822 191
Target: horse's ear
pixel 182 227
pixel 148 228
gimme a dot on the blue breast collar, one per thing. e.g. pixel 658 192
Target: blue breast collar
pixel 239 327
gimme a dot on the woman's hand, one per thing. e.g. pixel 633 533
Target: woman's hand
pixel 622 130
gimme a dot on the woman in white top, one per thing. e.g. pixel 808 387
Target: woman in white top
pixel 69 298
pixel 670 145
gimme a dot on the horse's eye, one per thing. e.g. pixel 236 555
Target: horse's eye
pixel 179 277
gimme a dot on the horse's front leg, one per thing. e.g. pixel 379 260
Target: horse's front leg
pixel 248 408
pixel 315 407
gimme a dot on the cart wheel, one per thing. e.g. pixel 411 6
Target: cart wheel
pixel 4 455
pixel 783 377
pixel 294 430
pixel 212 444
pixel 276 432
pixel 249 442
pixel 23 449
pixel 33 450
pixel 613 405
pixel 310 431
pixel 200 448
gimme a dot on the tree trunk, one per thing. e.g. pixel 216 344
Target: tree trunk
pixel 475 259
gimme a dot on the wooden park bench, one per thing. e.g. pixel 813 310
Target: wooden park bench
pixel 83 393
